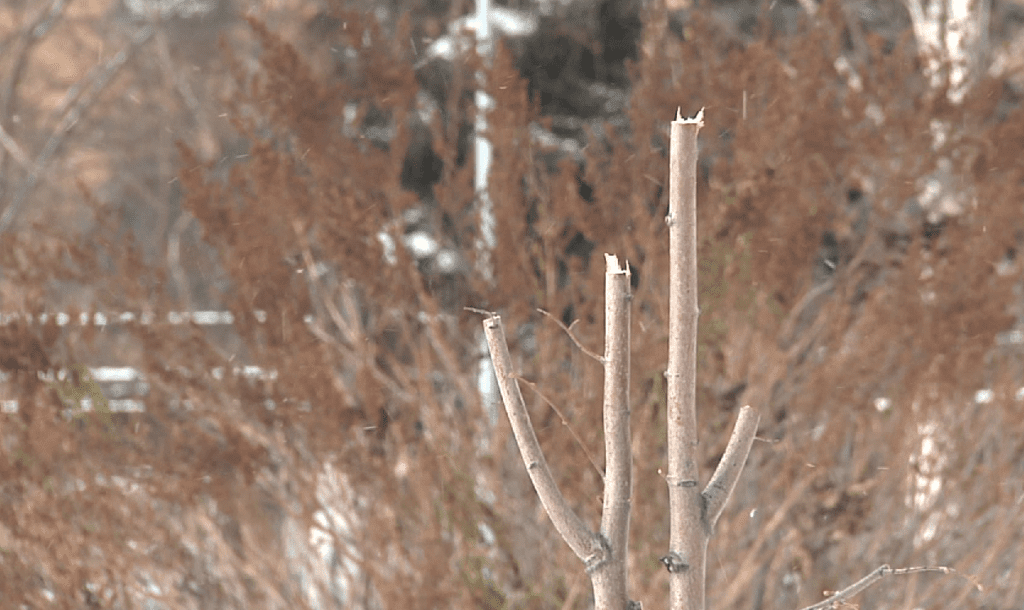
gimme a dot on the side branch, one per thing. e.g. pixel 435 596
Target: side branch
pixel 568 331
pixel 720 487
pixel 581 540
pixel 839 598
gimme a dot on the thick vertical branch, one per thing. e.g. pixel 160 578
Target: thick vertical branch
pixel 610 579
pixel 580 539
pixel 689 534
pixel 693 513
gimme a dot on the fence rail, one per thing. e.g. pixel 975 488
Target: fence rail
pixel 124 388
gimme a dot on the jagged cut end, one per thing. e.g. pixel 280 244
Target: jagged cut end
pixel 698 119
pixel 612 265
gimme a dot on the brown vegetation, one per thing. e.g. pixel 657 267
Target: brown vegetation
pixel 858 366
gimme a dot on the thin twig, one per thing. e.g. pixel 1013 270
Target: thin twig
pixel 174 258
pixel 318 292
pixel 31 33
pixel 445 356
pixel 181 84
pixel 11 146
pixel 568 331
pixel 565 423
pixel 67 124
pixel 880 572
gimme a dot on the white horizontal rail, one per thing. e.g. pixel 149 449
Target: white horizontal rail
pixel 145 318
pixel 127 380
pixel 110 376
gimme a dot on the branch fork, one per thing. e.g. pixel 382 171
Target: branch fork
pixel 694 513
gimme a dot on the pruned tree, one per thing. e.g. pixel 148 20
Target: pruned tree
pixel 693 512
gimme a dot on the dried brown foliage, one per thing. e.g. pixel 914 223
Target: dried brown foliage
pixel 206 499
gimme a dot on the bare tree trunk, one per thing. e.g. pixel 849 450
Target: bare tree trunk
pixel 694 513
